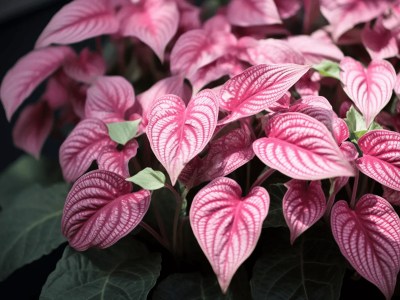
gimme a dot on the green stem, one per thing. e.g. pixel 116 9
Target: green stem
pixel 264 176
pixel 178 208
pixel 354 193
pixel 160 223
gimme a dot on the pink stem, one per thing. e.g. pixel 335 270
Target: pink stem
pixel 264 176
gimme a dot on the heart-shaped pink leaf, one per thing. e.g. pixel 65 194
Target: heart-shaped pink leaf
pixel 78 21
pixel 82 147
pixel 381 157
pixel 115 160
pixel 303 205
pixel 100 209
pixel 257 88
pixel 369 238
pixel 28 73
pixel 301 147
pixel 153 22
pixel 85 68
pixel 109 98
pixel 227 225
pixel 370 89
pixel 344 14
pixel 176 133
pixel 33 127
pixel 224 156
pixel 253 12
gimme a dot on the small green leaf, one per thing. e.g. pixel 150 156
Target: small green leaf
pixel 356 123
pixel 126 270
pixel 30 226
pixel 312 268
pixel 190 286
pixel 328 68
pixel 149 179
pixel 123 132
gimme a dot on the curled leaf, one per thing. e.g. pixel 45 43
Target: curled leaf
pixel 149 179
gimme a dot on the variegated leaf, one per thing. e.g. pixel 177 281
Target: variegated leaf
pixel 100 209
pixel 227 225
pixel 369 237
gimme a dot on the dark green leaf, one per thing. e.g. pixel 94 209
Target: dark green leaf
pixel 311 269
pixel 126 270
pixel 328 68
pixel 149 179
pixel 275 215
pixel 123 132
pixel 191 286
pixel 30 226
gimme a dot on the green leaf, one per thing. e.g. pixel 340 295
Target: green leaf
pixel 190 286
pixel 311 269
pixel 275 216
pixel 123 132
pixel 328 68
pixel 30 226
pixel 24 172
pixel 356 123
pixel 149 179
pixel 126 270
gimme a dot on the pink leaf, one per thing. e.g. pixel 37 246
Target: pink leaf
pixel 257 88
pixel 82 147
pixel 381 157
pixel 397 91
pixel 28 73
pixel 227 225
pixel 33 127
pixel 87 67
pixel 309 84
pixel 286 8
pixel 303 205
pixel 349 151
pixel 369 238
pixel 100 209
pixel 301 147
pixel 176 133
pixel 224 156
pixel 197 48
pixel 116 161
pixel 78 21
pixel 340 130
pixel 370 89
pixel 344 14
pixel 391 195
pixel 153 22
pixel 379 42
pixel 315 50
pixel 253 12
pixel 109 98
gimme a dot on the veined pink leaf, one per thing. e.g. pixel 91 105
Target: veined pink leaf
pixel 78 21
pixel 197 48
pixel 369 238
pixel 85 68
pixel 269 51
pixel 116 161
pixel 57 92
pixel 397 91
pixel 381 157
pixel 344 14
pixel 309 84
pixel 100 209
pixel 253 12
pixel 286 8
pixel 33 127
pixel 257 88
pixel 189 15
pixel 391 195
pixel 224 156
pixel 153 22
pixel 227 225
pixel 379 42
pixel 315 50
pixel 349 151
pixel 391 18
pixel 82 147
pixel 109 98
pixel 340 130
pixel 370 89
pixel 303 205
pixel 177 133
pixel 301 147
pixel 170 85
pixel 28 73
